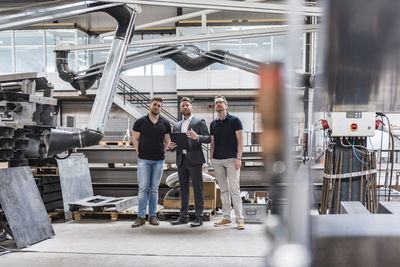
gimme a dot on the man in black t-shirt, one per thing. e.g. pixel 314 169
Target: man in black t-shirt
pixel 226 154
pixel 151 139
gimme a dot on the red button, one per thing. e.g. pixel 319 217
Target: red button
pixel 354 126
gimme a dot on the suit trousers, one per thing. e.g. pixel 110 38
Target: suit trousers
pixel 187 172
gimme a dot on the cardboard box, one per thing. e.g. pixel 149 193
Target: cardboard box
pixel 172 203
pixel 260 194
pixel 209 192
pixel 218 200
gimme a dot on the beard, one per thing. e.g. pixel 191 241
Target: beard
pixel 154 112
pixel 187 113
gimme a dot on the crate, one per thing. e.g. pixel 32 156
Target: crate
pixel 218 201
pixel 209 193
pixel 254 212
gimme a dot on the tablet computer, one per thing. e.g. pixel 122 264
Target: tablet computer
pixel 181 140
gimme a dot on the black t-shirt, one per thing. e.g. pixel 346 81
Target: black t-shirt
pixel 225 140
pixel 151 141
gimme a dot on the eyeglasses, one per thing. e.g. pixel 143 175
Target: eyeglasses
pixel 219 102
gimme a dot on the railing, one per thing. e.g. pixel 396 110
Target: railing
pixel 135 97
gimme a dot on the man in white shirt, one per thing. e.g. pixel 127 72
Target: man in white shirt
pixel 190 162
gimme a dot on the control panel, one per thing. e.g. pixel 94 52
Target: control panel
pixel 353 123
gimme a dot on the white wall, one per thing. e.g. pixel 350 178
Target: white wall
pixel 216 79
pixel 165 83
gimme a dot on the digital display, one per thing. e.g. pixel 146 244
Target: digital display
pixel 354 115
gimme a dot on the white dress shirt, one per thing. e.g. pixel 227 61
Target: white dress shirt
pixel 184 128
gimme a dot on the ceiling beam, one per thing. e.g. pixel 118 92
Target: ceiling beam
pixel 226 5
pixel 274 30
pixel 169 20
pixel 174 19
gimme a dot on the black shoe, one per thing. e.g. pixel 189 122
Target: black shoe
pixel 138 222
pixel 181 220
pixel 198 222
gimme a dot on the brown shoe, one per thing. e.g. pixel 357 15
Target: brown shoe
pixel 138 222
pixel 223 222
pixel 153 220
pixel 240 225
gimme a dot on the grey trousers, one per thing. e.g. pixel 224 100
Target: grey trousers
pixel 228 180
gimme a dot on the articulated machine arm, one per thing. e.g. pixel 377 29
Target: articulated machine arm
pixel 60 141
pixel 84 79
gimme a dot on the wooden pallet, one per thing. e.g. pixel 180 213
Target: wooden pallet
pixel 113 143
pixel 3 165
pixel 132 212
pixel 113 214
pixel 57 214
pixel 166 214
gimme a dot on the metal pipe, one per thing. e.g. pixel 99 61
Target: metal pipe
pixel 88 77
pixel 112 70
pixel 49 11
pixel 60 141
pixel 84 79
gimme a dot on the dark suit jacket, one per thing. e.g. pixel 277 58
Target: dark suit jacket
pixel 195 153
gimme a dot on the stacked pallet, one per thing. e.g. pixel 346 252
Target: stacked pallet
pixel 114 143
pixel 48 182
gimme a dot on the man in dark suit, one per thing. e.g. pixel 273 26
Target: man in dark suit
pixel 190 162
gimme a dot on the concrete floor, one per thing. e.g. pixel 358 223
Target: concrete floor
pixel 101 242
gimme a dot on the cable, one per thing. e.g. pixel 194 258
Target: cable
pixel 391 158
pixel 391 155
pixel 363 147
pixel 355 154
pixel 354 146
pixel 341 142
pixel 380 161
pixel 369 138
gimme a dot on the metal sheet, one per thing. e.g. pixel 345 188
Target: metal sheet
pixel 101 203
pixel 356 225
pixel 357 240
pixel 389 207
pixel 249 176
pixel 23 206
pixel 356 252
pixel 361 57
pixel 352 207
pixel 75 181
pixel 120 175
pixel 101 154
